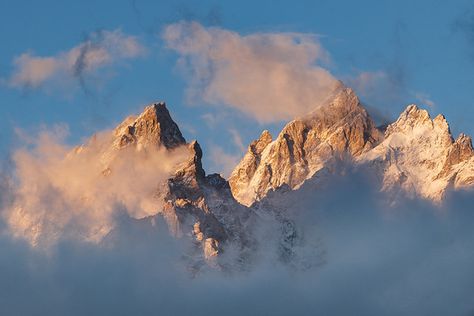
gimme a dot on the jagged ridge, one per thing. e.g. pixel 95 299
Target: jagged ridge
pixel 416 156
pixel 305 147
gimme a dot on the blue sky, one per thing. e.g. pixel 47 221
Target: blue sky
pixel 417 52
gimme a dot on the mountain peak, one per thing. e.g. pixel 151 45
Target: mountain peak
pixel 415 118
pixel 461 150
pixel 341 102
pixel 420 157
pixel 464 139
pixel 339 128
pixel 412 116
pixel 414 112
pixel 261 143
pixel 153 127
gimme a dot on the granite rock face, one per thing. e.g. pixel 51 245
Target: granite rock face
pixel 416 156
pixel 339 130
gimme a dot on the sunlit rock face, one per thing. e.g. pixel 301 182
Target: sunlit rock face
pixel 340 129
pixel 145 169
pixel 416 156
pixel 154 127
pixel 75 193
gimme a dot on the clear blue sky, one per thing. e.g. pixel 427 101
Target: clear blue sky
pixel 421 46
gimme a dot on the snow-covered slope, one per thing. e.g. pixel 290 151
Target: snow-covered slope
pixel 419 157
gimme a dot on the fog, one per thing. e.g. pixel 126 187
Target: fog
pixel 414 258
pixel 58 191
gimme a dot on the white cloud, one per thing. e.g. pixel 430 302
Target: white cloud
pixel 61 192
pixel 268 76
pixel 100 49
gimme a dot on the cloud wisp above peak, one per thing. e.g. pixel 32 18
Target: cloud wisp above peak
pixel 268 76
pixel 98 50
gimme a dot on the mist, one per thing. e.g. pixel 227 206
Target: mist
pixel 414 258
pixel 59 191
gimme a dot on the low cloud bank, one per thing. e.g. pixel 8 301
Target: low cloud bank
pixel 412 259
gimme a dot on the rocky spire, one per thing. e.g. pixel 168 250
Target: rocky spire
pixel 414 118
pixel 419 157
pixel 461 150
pixel 154 127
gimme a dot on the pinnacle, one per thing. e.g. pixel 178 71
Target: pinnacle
pixel 154 126
pixel 414 111
pixel 441 122
pixel 464 140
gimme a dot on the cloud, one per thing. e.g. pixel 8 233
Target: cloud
pixel 237 140
pixel 62 192
pixel 425 99
pixel 222 161
pixel 376 86
pixel 414 259
pixel 268 76
pixel 383 93
pixel 100 49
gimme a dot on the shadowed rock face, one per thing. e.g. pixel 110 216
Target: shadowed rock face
pixel 194 205
pixel 203 207
pixel 340 129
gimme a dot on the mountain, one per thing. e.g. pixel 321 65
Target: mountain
pixel 154 127
pixel 306 147
pixel 416 156
pixel 419 157
pixel 147 168
pixel 202 208
pixel 194 204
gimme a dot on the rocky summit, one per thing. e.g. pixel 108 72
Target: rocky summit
pixel 414 157
pixel 305 147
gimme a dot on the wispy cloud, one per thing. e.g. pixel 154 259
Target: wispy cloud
pixel 237 139
pixel 376 85
pixel 222 161
pixel 65 192
pixel 268 76
pixel 100 49
pixel 425 99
